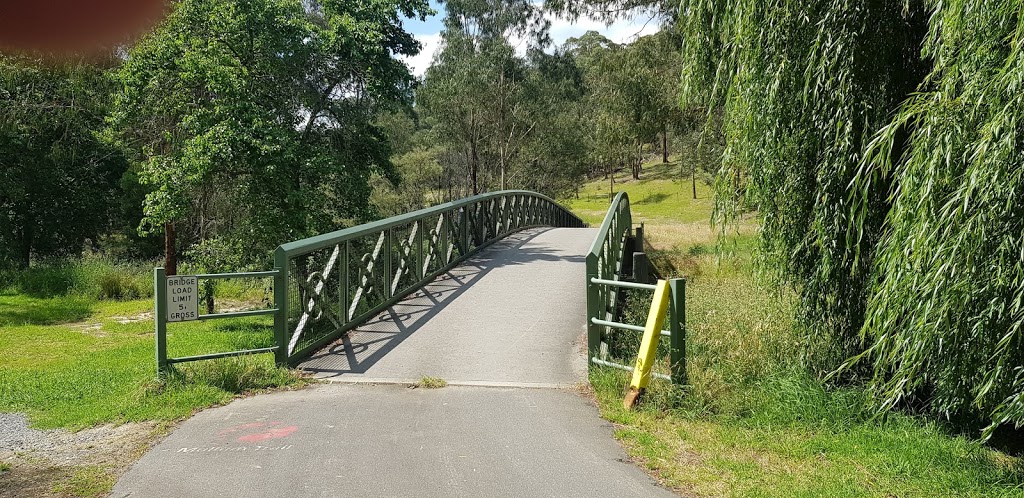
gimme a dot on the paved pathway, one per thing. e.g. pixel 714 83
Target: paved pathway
pixel 510 319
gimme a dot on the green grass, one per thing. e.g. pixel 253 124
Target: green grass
pixel 800 440
pixel 660 195
pixel 90 278
pixel 752 422
pixel 73 363
pixel 87 481
pixel 431 383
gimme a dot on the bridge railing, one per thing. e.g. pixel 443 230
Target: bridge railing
pixel 329 284
pixel 605 262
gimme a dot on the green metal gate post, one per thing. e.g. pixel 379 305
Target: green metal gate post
pixel 160 317
pixel 463 231
pixel 343 275
pixel 281 302
pixel 677 329
pixel 388 276
pixel 594 309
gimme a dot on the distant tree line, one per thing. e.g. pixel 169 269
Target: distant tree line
pixel 501 107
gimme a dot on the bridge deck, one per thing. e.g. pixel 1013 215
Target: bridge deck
pixel 511 317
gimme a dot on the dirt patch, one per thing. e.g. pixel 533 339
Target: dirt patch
pixel 146 316
pixel 51 463
pixel 89 328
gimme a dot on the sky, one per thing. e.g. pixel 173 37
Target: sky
pixel 429 33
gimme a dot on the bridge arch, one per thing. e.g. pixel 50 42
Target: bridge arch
pixel 329 284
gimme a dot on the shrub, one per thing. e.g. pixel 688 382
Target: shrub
pixel 90 278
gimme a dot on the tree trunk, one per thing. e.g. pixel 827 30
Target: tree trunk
pixel 208 287
pixel 694 180
pixel 473 167
pixel 611 183
pixel 664 144
pixel 502 166
pixel 170 253
pixel 473 157
pixel 26 242
pixel 638 162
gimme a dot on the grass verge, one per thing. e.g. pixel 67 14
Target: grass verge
pixel 432 383
pixel 74 362
pixel 753 422
pixel 101 369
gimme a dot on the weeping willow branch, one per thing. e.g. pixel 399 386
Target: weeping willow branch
pixel 878 143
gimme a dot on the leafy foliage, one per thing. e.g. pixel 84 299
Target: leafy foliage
pixel 878 142
pixel 478 90
pixel 946 314
pixel 804 86
pixel 251 119
pixel 58 182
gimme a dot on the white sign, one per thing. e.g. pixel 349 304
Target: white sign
pixel 182 298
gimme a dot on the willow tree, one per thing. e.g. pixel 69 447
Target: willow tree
pixel 878 141
pixel 804 85
pixel 947 313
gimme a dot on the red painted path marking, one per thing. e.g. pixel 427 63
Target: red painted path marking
pixel 273 430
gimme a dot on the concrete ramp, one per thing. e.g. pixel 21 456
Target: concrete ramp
pixel 513 315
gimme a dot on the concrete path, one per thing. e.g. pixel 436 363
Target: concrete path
pixel 514 315
pixel 511 319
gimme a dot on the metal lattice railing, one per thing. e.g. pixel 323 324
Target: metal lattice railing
pixel 329 284
pixel 606 263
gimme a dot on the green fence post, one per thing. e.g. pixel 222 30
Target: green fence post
pixel 160 318
pixel 463 231
pixel 677 328
pixel 388 276
pixel 594 307
pixel 343 274
pixel 420 273
pixel 444 238
pixel 496 217
pixel 281 303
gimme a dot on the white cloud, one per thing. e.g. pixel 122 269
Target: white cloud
pixel 421 61
pixel 622 31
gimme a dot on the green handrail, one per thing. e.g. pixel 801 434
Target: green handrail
pixel 331 283
pixel 604 262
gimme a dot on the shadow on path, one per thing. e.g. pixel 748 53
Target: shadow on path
pixel 359 350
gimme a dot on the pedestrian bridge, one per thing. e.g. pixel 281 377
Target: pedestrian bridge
pixel 511 315
pixel 493 294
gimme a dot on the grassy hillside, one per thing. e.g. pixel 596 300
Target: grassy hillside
pixel 753 422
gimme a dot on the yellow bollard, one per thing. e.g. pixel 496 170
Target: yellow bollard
pixel 649 344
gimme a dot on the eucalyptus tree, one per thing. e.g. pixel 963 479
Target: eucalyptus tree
pixel 251 120
pixel 475 88
pixel 610 141
pixel 554 159
pixel 631 95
